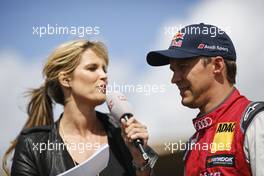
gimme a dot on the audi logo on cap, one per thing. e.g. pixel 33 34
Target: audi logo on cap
pixel 204 123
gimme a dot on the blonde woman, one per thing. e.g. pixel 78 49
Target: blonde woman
pixel 75 77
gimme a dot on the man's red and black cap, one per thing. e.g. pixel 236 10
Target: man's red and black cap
pixel 193 41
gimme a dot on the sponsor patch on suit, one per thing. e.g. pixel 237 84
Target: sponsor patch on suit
pixel 223 137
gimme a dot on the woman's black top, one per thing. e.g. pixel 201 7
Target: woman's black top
pixel 39 152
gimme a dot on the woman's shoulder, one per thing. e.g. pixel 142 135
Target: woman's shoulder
pixel 37 133
pixel 32 150
pixel 31 139
pixel 37 129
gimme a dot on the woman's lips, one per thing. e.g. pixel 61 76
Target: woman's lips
pixel 102 88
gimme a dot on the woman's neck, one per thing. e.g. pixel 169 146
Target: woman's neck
pixel 80 119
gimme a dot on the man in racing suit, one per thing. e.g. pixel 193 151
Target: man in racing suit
pixel 229 137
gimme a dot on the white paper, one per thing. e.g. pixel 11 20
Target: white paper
pixel 92 166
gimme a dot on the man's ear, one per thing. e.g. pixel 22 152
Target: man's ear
pixel 64 79
pixel 218 64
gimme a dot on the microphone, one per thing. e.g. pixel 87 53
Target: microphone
pixel 120 108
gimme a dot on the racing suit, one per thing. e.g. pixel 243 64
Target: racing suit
pixel 225 141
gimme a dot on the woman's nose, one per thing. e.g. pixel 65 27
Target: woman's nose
pixel 103 74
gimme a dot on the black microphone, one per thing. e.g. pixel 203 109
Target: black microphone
pixel 120 108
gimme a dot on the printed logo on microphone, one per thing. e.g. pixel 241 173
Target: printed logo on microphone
pixel 110 102
pixel 110 105
pixel 122 97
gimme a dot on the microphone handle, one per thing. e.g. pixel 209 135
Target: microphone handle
pixel 137 142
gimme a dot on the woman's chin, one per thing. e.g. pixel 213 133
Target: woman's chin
pixel 100 99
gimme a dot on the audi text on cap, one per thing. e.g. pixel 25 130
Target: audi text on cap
pixel 193 41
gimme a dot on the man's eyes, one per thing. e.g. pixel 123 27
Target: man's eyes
pixel 180 66
pixel 183 65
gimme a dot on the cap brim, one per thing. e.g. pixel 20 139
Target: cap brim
pixel 162 57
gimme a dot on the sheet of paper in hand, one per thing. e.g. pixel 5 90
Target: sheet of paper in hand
pixel 92 166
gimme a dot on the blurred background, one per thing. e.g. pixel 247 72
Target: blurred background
pixel 130 30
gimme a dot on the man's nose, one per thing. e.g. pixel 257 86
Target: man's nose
pixel 177 76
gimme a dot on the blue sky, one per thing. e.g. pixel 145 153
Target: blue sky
pixel 127 27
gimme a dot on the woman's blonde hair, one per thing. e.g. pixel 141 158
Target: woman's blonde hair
pixel 64 58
